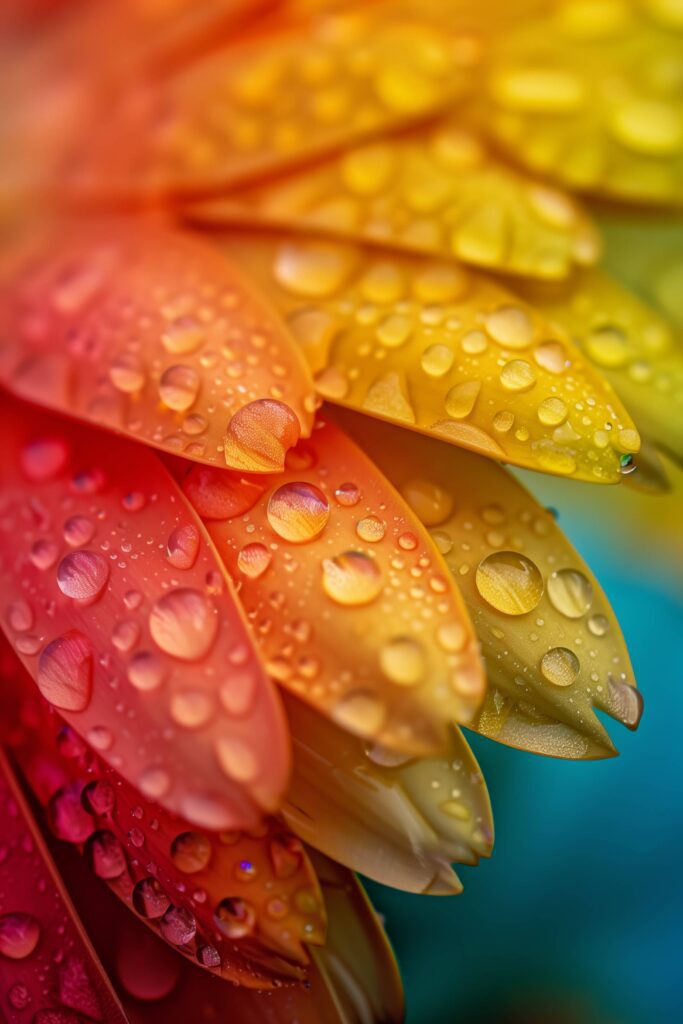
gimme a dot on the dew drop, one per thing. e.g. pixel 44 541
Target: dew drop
pixel 191 708
pixel 298 512
pixel 78 530
pixel 183 623
pixel 347 494
pixel 98 798
pixel 235 918
pixel 437 360
pixel 237 759
pixel 285 855
pixel 403 661
pixel 552 411
pixel 511 327
pixel 191 852
pixel 146 671
pixel 371 529
pixel 351 578
pixel 105 854
pixel 509 582
pixel 82 575
pixel 127 373
pixel 518 375
pixel 570 593
pixel 461 399
pixel 178 926
pixel 44 554
pixel 430 502
pixel 67 816
pixel 360 712
pixel 44 458
pixel 183 546
pixel 65 672
pixel 312 270
pixel 19 616
pixel 179 387
pixel 598 625
pixel 560 666
pixel 183 335
pixel 253 560
pixel 259 436
pixel 19 935
pixel 149 898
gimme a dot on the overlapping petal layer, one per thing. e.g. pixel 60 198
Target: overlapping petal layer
pixel 147 331
pixel 239 904
pixel 591 94
pixel 551 644
pixel 397 820
pixel 349 600
pixel 117 604
pixel 47 966
pixel 630 343
pixel 444 349
pixel 438 190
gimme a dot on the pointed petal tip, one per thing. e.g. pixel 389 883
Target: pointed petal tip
pixel 444 883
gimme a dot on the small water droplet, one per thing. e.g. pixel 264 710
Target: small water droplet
pixel 259 436
pixel 105 854
pixel 149 898
pixel 235 918
pixel 65 672
pixel 179 387
pixel 183 623
pixel 509 582
pixel 351 578
pixel 371 529
pixel 570 593
pixel 183 546
pixel 191 852
pixel 82 575
pixel 253 560
pixel 19 935
pixel 403 661
pixel 347 494
pixel 298 512
pixel 560 666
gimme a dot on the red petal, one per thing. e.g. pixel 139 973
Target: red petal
pixel 115 601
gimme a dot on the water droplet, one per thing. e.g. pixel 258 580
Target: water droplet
pixel 19 935
pixel 286 855
pixel 461 399
pixel 191 852
pixel 146 671
pixel 437 360
pixel 65 672
pixel 67 816
pixel 19 996
pixel 183 335
pixel 98 798
pixel 127 373
pixel 19 616
pixel 430 502
pixel 371 529
pixel 100 737
pixel 253 560
pixel 298 512
pixel 259 436
pixel 44 458
pixel 183 623
pixel 360 712
pixel 351 578
pixel 598 625
pixel 82 575
pixel 560 666
pixel 179 387
pixel 178 925
pixel 105 854
pixel 509 582
pixel 149 898
pixel 511 327
pixel 235 918
pixel 237 759
pixel 183 546
pixel 518 375
pixel 347 494
pixel 403 661
pixel 451 636
pixel 394 331
pixel 134 501
pixel 570 593
pixel 191 708
pixel 552 412
pixel 44 554
pixel 78 530
pixel 313 270
pixel 551 356
pixel 208 956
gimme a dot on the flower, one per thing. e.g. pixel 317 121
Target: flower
pixel 283 285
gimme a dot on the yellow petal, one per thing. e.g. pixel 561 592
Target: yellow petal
pixel 357 958
pixel 151 332
pixel 438 191
pixel 397 820
pixel 552 646
pixel 591 94
pixel 442 348
pixel 350 603
pixel 630 343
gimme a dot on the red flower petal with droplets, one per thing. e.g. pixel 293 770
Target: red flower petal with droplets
pixel 116 602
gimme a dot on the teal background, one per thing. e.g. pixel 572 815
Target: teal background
pixel 578 916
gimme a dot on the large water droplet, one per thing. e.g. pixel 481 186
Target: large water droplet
pixel 570 593
pixel 511 327
pixel 351 578
pixel 19 935
pixel 253 560
pixel 146 671
pixel 178 925
pixel 82 575
pixel 560 666
pixel 183 546
pixel 298 512
pixel 191 852
pixel 509 582
pixel 105 854
pixel 98 798
pixel 67 816
pixel 235 918
pixel 259 436
pixel 149 898
pixel 184 623
pixel 65 672
pixel 179 387
pixel 78 530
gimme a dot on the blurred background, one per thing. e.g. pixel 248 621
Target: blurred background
pixel 578 916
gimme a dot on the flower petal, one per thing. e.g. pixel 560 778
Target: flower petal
pixel 437 190
pixel 443 349
pixel 587 94
pixel 391 818
pixel 349 600
pixel 152 333
pixel 552 646
pixel 272 99
pixel 40 933
pixel 357 956
pixel 116 602
pixel 631 344
pixel 240 904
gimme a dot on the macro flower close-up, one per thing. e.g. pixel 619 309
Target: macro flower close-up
pixel 341 492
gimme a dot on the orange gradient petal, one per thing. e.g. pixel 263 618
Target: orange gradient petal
pixel 116 602
pixel 150 332
pixel 350 603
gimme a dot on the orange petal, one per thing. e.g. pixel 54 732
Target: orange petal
pixel 271 100
pixel 41 936
pixel 396 820
pixel 155 334
pixel 443 349
pixel 586 93
pixel 551 644
pixel 357 956
pixel 629 342
pixel 115 600
pixel 437 190
pixel 348 599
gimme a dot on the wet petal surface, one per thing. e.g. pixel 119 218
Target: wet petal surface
pixel 552 647
pixel 443 349
pixel 347 597
pixel 134 634
pixel 149 332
